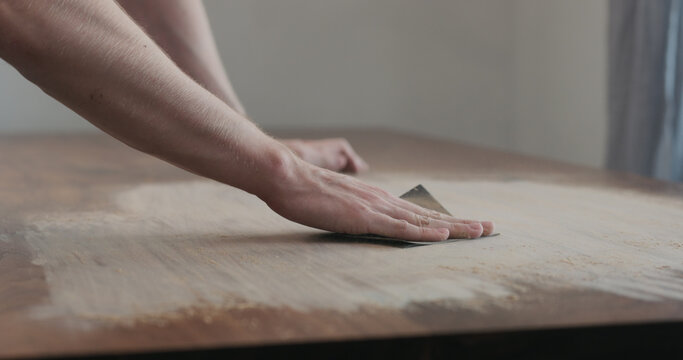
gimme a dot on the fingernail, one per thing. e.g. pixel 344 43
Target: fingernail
pixel 477 229
pixel 444 233
pixel 475 226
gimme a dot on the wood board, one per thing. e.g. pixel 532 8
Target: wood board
pixel 106 250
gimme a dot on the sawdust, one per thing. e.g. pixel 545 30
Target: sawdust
pixel 206 312
pixel 171 250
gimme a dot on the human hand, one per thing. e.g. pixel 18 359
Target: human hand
pixel 335 202
pixel 334 154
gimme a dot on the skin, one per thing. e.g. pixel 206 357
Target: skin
pixel 181 28
pixel 92 57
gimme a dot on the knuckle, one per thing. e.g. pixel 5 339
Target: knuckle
pixel 384 193
pixel 362 210
pixel 421 220
pixel 402 226
pixel 372 197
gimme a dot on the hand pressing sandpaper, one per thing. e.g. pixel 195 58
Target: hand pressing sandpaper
pixel 419 196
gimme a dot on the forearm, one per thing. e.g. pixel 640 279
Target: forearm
pixel 94 59
pixel 181 29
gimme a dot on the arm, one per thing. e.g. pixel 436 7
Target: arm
pixel 181 28
pixel 93 58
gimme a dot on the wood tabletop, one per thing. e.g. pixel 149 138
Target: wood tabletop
pixel 105 250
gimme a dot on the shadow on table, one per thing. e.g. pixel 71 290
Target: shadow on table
pixel 373 239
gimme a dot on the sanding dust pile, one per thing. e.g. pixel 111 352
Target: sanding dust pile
pixel 228 248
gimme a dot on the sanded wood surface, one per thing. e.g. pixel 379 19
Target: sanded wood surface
pixel 106 250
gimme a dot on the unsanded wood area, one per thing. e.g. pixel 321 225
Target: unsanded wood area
pixel 107 250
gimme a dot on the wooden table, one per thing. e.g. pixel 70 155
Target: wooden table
pixel 104 250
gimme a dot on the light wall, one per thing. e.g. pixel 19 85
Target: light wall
pixel 560 80
pixel 522 75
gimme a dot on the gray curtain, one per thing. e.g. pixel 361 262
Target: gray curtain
pixel 645 87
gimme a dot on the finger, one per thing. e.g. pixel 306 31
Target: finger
pixel 488 226
pixel 341 162
pixel 385 225
pixel 357 164
pixel 333 161
pixel 351 166
pixel 456 230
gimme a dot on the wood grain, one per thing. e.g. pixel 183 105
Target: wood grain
pixel 106 250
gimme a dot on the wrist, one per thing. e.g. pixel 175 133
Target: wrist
pixel 279 170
